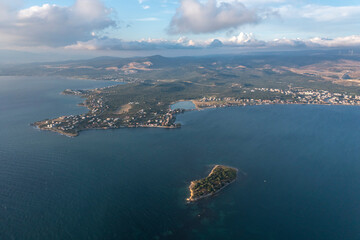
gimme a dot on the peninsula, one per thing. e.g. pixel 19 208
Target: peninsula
pixel 149 86
pixel 219 177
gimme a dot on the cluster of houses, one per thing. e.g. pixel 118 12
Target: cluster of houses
pixel 69 123
pixel 96 122
pixel 316 96
pixel 96 105
pixel 154 119
pixel 72 123
pixel 65 123
pixel 291 96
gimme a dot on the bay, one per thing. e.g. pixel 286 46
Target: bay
pixel 301 172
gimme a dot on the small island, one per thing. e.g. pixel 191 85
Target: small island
pixel 219 177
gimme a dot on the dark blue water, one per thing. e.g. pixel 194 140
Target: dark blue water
pixel 302 166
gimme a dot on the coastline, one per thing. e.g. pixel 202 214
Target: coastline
pixel 61 132
pixel 263 104
pixel 68 134
pixel 190 199
pixel 102 116
pixel 55 130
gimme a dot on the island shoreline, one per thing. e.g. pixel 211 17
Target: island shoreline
pixel 192 184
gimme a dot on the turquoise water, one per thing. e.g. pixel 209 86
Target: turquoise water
pixel 301 162
pixel 187 105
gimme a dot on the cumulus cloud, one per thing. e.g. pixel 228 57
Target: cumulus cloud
pixel 53 25
pixel 193 16
pixel 247 39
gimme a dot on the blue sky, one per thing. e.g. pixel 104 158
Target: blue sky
pixel 156 18
pixel 132 25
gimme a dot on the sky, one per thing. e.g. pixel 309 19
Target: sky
pixel 138 27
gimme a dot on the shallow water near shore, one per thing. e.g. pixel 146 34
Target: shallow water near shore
pixel 187 105
pixel 301 163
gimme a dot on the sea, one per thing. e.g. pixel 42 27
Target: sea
pixel 299 175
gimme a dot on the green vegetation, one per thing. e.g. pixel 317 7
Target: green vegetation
pixel 154 83
pixel 219 177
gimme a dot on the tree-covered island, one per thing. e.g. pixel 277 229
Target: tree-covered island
pixel 219 177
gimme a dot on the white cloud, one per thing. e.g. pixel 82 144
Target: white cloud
pixel 192 16
pixel 144 44
pixel 53 25
pixel 320 13
pixel 254 2
pixel 149 19
pixel 287 43
pixel 317 42
pixel 143 6
pixel 243 40
pixel 329 13
pixel 348 41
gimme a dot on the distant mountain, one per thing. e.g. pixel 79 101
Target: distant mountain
pixel 147 68
pixel 21 57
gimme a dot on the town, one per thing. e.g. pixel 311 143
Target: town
pixel 291 96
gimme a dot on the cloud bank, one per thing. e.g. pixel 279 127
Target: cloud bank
pixel 243 40
pixel 195 17
pixel 52 25
pixel 144 44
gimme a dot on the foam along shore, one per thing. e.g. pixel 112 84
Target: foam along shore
pixel 219 177
pixel 42 125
